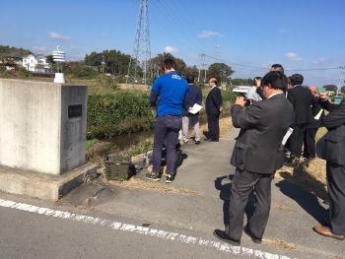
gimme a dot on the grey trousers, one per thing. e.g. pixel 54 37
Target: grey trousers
pixel 336 190
pixel 243 184
pixel 193 120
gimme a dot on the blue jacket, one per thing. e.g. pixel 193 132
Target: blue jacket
pixel 168 94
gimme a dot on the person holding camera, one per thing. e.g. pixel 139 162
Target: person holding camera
pixel 257 154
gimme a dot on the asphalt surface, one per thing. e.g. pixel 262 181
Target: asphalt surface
pixel 198 201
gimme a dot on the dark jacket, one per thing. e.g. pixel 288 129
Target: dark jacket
pixel 302 100
pixel 336 115
pixel 194 96
pixel 316 122
pixel 263 126
pixel 214 101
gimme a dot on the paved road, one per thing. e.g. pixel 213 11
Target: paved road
pixel 182 215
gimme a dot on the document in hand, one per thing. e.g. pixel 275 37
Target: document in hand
pixel 287 136
pixel 195 109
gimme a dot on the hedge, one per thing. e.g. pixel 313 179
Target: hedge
pixel 118 113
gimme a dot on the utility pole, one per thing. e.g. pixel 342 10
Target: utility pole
pixel 341 79
pixel 138 68
pixel 203 66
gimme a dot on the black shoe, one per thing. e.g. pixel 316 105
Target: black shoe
pixel 169 178
pixel 153 176
pixel 250 234
pixel 220 234
pixel 197 142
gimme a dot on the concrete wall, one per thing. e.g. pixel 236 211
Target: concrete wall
pixel 40 126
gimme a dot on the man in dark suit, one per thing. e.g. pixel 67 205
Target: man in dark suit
pixel 257 154
pixel 311 129
pixel 213 106
pixel 194 97
pixel 302 101
pixel 335 173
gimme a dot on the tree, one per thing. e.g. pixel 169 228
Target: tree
pixel 220 71
pixel 240 81
pixel 157 62
pixel 331 88
pixel 109 61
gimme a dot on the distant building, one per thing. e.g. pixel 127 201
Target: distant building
pixel 36 63
pixel 11 63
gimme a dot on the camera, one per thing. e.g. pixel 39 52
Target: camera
pixel 242 90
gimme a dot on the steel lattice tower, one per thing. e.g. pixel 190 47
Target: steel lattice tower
pixel 138 68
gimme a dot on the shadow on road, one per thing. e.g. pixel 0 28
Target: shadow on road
pixel 223 184
pixel 307 200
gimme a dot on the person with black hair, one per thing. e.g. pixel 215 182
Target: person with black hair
pixel 302 101
pixel 277 67
pixel 168 95
pixel 213 106
pixel 257 154
pixel 194 97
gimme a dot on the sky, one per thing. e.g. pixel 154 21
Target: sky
pixel 305 36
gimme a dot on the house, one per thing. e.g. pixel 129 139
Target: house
pixel 36 63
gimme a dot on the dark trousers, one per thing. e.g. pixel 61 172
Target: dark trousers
pixel 296 140
pixel 242 186
pixel 166 130
pixel 309 142
pixel 336 191
pixel 213 126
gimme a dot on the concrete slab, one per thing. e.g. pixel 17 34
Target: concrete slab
pixel 44 186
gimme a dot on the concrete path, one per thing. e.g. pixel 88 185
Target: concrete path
pixel 198 201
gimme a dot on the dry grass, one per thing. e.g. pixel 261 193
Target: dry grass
pixel 135 183
pixel 279 244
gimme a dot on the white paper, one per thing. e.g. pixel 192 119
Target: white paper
pixel 287 135
pixel 195 109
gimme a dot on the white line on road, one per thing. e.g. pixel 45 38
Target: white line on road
pixel 172 236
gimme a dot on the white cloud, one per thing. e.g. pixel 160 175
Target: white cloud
pixel 291 56
pixel 170 49
pixel 57 36
pixel 209 34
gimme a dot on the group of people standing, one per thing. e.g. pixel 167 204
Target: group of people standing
pixel 276 104
pixel 174 97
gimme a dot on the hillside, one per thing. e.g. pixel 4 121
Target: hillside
pixel 7 51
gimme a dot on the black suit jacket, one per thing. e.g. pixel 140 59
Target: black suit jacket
pixel 302 101
pixel 263 126
pixel 214 101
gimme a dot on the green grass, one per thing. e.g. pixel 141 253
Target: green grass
pixel 90 143
pixel 140 148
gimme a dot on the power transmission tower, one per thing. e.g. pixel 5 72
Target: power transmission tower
pixel 138 68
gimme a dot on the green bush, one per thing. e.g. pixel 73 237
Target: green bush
pixel 118 113
pixel 228 96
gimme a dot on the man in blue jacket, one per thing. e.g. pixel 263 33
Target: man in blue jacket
pixel 168 95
